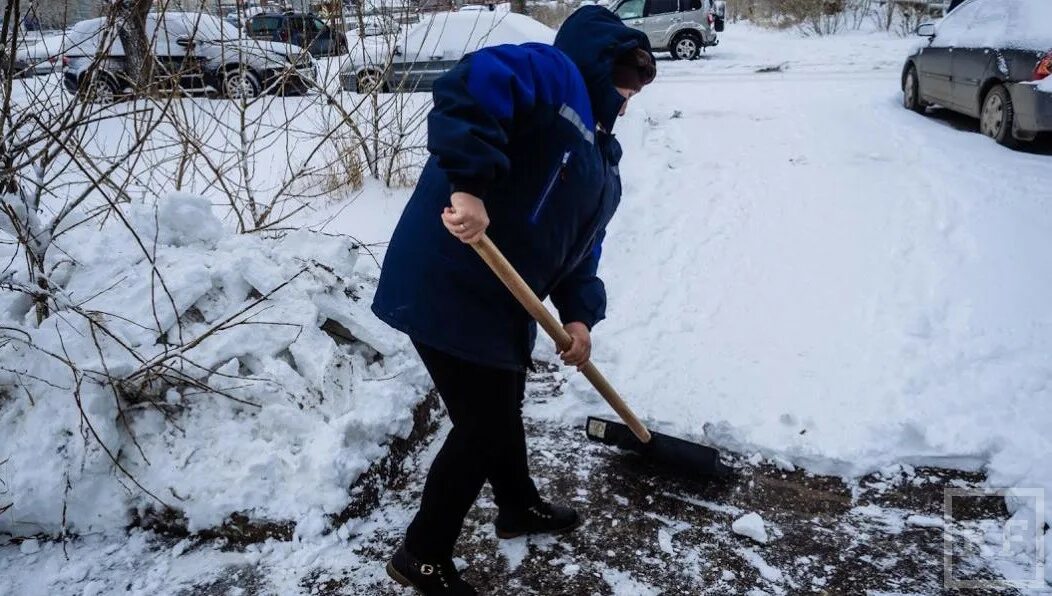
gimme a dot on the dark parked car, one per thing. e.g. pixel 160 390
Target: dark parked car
pixel 299 29
pixel 985 59
pixel 194 53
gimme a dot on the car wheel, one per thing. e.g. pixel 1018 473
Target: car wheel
pixel 686 47
pixel 240 84
pixel 911 98
pixel 369 81
pixel 998 116
pixel 99 90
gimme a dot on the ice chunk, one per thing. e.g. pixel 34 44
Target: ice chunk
pixel 665 541
pixel 187 219
pixel 751 526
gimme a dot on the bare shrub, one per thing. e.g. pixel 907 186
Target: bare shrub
pixel 814 17
pixel 72 162
pixel 552 15
pixel 759 12
pixel 884 15
pixel 346 171
pixel 910 15
pixel 858 12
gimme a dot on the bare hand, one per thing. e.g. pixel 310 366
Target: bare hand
pixel 580 349
pixel 467 218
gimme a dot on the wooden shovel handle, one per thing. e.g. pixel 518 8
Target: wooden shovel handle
pixel 522 292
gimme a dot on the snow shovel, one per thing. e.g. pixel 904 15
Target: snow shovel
pixel 688 459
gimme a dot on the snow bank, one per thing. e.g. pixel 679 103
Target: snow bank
pixel 230 396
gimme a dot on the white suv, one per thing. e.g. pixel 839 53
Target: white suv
pixel 193 52
pixel 680 27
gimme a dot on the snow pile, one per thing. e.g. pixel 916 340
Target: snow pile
pixel 750 526
pixel 202 382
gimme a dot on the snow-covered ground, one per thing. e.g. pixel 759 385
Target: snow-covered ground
pixel 817 272
pixel 800 268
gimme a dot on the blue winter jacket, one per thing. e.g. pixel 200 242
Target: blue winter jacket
pixel 516 127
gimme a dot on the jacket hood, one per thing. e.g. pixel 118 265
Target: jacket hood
pixel 593 37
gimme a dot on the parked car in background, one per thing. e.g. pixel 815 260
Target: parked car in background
pixel 236 17
pixel 372 25
pixel 681 27
pixel 299 29
pixel 987 59
pixel 39 53
pixel 195 53
pixel 433 46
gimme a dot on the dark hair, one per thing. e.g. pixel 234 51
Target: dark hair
pixel 634 69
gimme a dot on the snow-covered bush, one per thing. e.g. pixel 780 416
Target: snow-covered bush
pixel 828 17
pixel 213 373
pixel 152 359
pixel 814 17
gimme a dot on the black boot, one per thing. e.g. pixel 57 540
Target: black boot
pixel 431 578
pixel 543 518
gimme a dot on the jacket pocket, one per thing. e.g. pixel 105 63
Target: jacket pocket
pixel 553 181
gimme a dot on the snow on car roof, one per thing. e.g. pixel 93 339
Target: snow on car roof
pixel 1023 24
pixel 86 36
pixel 449 36
pixel 468 31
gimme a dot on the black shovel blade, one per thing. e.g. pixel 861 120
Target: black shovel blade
pixel 685 458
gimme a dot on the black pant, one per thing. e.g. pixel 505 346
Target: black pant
pixel 487 442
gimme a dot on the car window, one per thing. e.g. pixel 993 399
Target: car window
pixel 263 25
pixel 686 5
pixel 954 28
pixel 318 24
pixel 630 9
pixel 298 24
pixel 656 7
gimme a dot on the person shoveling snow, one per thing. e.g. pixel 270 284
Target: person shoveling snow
pixel 521 146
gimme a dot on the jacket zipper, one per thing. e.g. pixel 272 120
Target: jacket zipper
pixel 550 186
